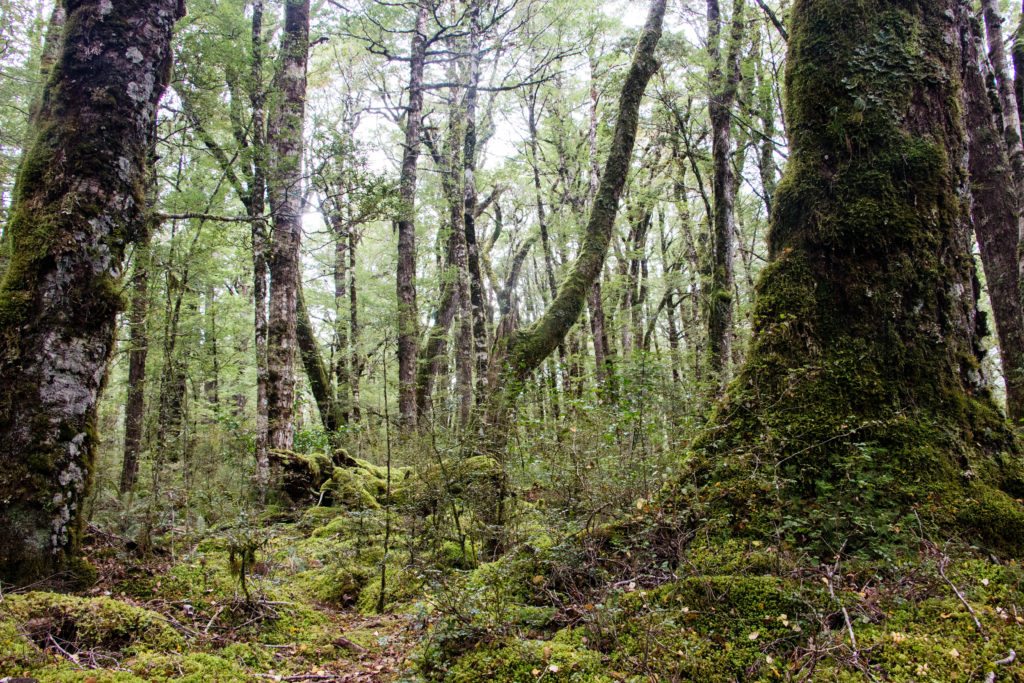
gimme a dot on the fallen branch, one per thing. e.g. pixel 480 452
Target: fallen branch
pixel 1005 661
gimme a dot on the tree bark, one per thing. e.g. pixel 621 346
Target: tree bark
pixel 81 200
pixel 529 347
pixel 723 80
pixel 285 145
pixel 861 397
pixel 995 216
pixel 408 323
pixel 1007 97
pixel 135 402
pixel 256 205
pixel 331 411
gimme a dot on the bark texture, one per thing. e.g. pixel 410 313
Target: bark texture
pixel 996 218
pixel 81 200
pixel 408 324
pixel 861 398
pixel 285 146
pixel 724 81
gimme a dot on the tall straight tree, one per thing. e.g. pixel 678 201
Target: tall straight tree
pixel 408 323
pixel 996 218
pixel 81 201
pixel 861 399
pixel 724 82
pixel 284 185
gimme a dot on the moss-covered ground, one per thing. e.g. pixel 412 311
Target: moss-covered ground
pixel 634 600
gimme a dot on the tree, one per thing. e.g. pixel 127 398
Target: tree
pixel 861 397
pixel 528 348
pixel 995 213
pixel 724 81
pixel 285 189
pixel 408 325
pixel 81 201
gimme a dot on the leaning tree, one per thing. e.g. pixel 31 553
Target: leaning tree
pixel 81 201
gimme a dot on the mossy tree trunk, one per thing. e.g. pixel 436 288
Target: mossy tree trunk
pixel 861 398
pixel 528 348
pixel 285 190
pixel 81 201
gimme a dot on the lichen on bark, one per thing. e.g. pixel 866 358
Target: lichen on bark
pixel 81 200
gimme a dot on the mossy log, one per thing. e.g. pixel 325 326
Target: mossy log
pixel 862 400
pixel 81 200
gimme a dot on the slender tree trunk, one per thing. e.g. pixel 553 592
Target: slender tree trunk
pixel 353 316
pixel 724 80
pixel 78 205
pixel 256 206
pixel 342 321
pixel 135 402
pixel 408 324
pixel 995 216
pixel 1007 97
pixel 455 188
pixel 285 144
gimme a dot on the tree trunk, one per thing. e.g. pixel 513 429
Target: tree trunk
pixel 256 205
pixel 861 398
pixel 408 323
pixel 1007 97
pixel 135 402
pixel 529 347
pixel 995 217
pixel 331 412
pixel 285 145
pixel 724 80
pixel 81 200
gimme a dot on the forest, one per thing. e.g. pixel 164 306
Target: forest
pixel 511 340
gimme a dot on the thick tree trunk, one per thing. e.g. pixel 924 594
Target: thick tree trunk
pixel 995 216
pixel 285 145
pixel 81 200
pixel 861 398
pixel 529 347
pixel 724 80
pixel 408 323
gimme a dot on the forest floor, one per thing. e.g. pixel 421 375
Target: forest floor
pixel 740 611
pixel 185 617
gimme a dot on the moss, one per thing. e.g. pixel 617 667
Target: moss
pixel 197 667
pixel 89 623
pixel 527 661
pixel 354 489
pixel 994 518
pixel 403 585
